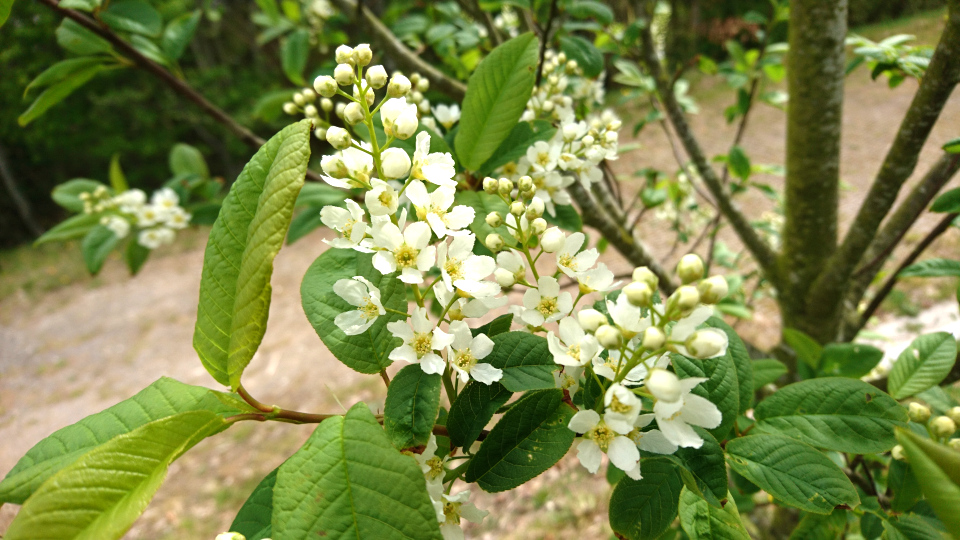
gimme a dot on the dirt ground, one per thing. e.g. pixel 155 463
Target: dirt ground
pixel 74 351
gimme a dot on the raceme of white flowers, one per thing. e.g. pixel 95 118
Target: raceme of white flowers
pixel 410 221
pixel 157 220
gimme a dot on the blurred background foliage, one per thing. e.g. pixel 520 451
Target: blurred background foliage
pixel 230 61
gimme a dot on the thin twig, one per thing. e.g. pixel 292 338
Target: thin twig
pixel 545 39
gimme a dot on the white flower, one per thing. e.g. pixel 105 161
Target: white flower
pixel 408 251
pixel 150 214
pixel 349 163
pixel 165 198
pixel 451 509
pixel 470 308
pixel 432 467
pixel 406 124
pixel 675 417
pixel 361 293
pixel 569 261
pixel 119 226
pixel 621 408
pixel 543 156
pixel 156 237
pixel 651 440
pixel 627 316
pixel 382 200
pixel 348 222
pixel 131 200
pixel 437 168
pixel 177 218
pixel 462 269
pixel 395 162
pixel 600 438
pixel 420 341
pixel 553 240
pixel 434 208
pixel 545 303
pixel 511 268
pixel 466 350
pixel 568 379
pixel 608 367
pixel 447 116
pixel 599 279
pixel 686 329
pixel 574 346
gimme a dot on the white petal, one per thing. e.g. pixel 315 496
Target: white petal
pixel 481 346
pixel 549 287
pixel 589 455
pixel 431 363
pixel 623 453
pixel 486 373
pixel 679 433
pixel 351 290
pixel 700 412
pixel 654 441
pixel 584 421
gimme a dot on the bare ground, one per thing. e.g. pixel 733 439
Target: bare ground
pixel 71 352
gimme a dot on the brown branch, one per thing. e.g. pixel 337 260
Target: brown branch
pixel 472 8
pixel 399 52
pixel 545 39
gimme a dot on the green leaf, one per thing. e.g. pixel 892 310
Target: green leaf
pixel 165 397
pixel 304 223
pixel 483 203
pixel 151 50
pixel 270 105
pixel 852 360
pixel 948 202
pixel 932 268
pixel 911 527
pixel 737 352
pixel 96 246
pixel 937 468
pixel 74 227
pixel 134 16
pixel 103 493
pixel 902 482
pixel 807 349
pixel 525 360
pixel 348 481
pixel 590 10
pixel 821 527
pixel 642 509
pixel 62 70
pixel 522 136
pixel 766 371
pixel 952 146
pixel 238 261
pixel 294 54
pixel 846 415
pixel 117 180
pixel 567 218
pixel 738 163
pixel 5 7
pixel 707 464
pixel 472 411
pixel 57 92
pixel 588 57
pixel 701 520
pixel 254 520
pixel 178 34
pixel 721 386
pixel 68 193
pixel 186 159
pixel 135 255
pixel 77 39
pixel 411 408
pixel 793 472
pixel 497 326
pixel 530 438
pixel 367 352
pixel 923 364
pixel 319 194
pixel 497 94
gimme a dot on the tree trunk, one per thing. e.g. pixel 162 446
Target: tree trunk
pixel 815 71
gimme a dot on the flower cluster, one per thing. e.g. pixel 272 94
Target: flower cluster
pixel 411 223
pixel 157 220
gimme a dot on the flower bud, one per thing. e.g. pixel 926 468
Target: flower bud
pixel 954 443
pixel 308 95
pixel 653 338
pixel 490 185
pixel 325 85
pixel 320 133
pixel 918 413
pixel 548 106
pixel 690 268
pixel 609 336
pixel 504 186
pixel 517 208
pixel 591 319
pixel 399 86
pixel 494 219
pixel 414 78
pixel 423 84
pixel 345 55
pixel 954 414
pixel 326 104
pixel 706 343
pixel 571 67
pixel 664 385
pixel 424 106
pixel 494 242
pixel 376 76
pixel 369 96
pixel 334 166
pixel 682 302
pixel 344 74
pixel 638 293
pixel 395 162
pixel 535 208
pixel 290 107
pixel 897 453
pixel 406 124
pixel 504 277
pixel 310 111
pixel 943 426
pixel 525 183
pixel 553 240
pixel 338 137
pixel 231 536
pixel 415 97
pixel 713 289
pixel 587 140
pixel 362 54
pixel 644 275
pixel 538 225
pixel 353 113
pixel 298 99
pixel 341 106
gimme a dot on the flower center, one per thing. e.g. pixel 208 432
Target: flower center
pixel 509 169
pixel 465 359
pixel 451 512
pixel 422 343
pixel 574 352
pixel 568 261
pixel 454 267
pixel 406 256
pixel 567 382
pixel 543 159
pixel 347 228
pixel 436 468
pixel 547 306
pixel 602 435
pixel 618 406
pixel 387 198
pixel 368 309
